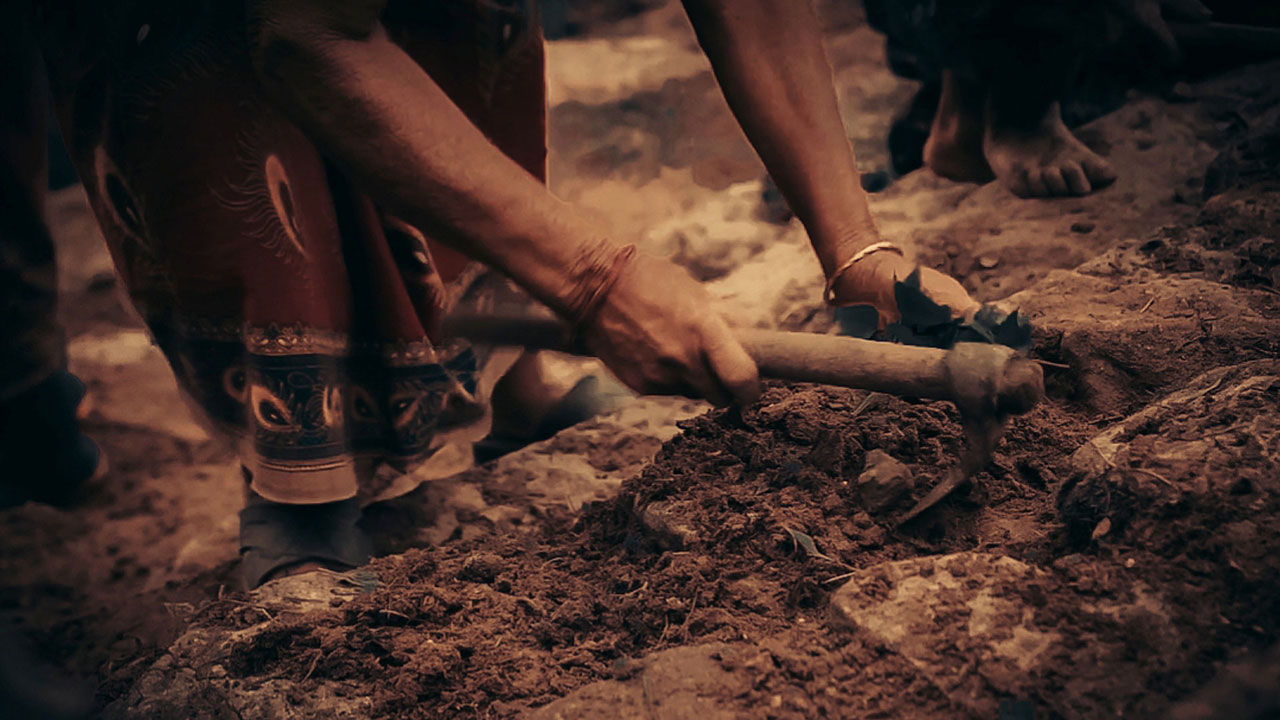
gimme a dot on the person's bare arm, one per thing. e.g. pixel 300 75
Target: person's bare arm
pixel 770 62
pixel 383 118
pixel 379 114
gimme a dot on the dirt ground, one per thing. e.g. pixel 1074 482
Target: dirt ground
pixel 1119 551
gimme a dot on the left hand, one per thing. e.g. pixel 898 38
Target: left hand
pixel 871 281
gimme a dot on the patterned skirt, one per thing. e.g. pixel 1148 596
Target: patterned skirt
pixel 300 318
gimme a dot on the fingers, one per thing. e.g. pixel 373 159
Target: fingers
pixel 698 380
pixel 1146 14
pixel 731 367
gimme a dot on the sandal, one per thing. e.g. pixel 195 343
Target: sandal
pixel 276 536
pixel 44 455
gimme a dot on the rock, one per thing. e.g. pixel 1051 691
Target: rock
pixel 482 567
pixel 668 526
pixel 684 683
pixel 883 483
pixel 1082 227
pixel 1088 318
pixel 876 180
pixel 1225 444
pixel 987 262
pixel 982 626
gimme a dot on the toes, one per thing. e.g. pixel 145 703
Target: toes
pixel 1054 181
pixel 1036 186
pixel 1077 181
pixel 1018 184
pixel 1099 171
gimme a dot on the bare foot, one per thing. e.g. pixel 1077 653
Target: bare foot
pixel 954 147
pixel 529 390
pixel 1046 161
pixel 955 159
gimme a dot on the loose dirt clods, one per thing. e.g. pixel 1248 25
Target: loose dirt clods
pixel 1114 555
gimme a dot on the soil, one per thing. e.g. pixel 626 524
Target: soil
pixel 500 624
pixel 1117 551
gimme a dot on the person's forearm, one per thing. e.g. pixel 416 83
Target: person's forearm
pixel 769 60
pixel 384 120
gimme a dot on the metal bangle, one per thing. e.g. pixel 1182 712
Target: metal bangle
pixel 829 289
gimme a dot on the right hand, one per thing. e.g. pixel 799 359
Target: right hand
pixel 657 331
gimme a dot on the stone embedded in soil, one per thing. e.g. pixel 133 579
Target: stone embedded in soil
pixel 1191 488
pixel 884 483
pixel 684 683
pixel 1120 355
pixel 482 567
pixel 1215 441
pixel 982 626
pixel 191 681
pixel 667 525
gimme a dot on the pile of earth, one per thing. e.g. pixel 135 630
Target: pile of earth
pixel 734 531
pixel 753 556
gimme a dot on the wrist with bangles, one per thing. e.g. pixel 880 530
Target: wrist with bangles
pixel 596 272
pixel 828 292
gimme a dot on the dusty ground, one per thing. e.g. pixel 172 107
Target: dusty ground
pixel 1118 552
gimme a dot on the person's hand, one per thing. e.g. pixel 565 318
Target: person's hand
pixel 657 331
pixel 871 280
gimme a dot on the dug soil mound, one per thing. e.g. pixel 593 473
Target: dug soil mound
pixel 756 568
pixel 733 532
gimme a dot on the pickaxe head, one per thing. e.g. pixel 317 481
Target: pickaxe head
pixel 988 384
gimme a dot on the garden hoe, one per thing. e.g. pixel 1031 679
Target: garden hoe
pixel 987 383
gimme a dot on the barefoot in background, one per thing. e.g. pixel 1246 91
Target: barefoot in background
pixel 977 135
pixel 954 148
pixel 1044 160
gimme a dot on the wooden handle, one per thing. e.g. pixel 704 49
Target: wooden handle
pixel 849 362
pixel 798 357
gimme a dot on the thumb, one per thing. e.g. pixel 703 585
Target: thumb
pixel 729 362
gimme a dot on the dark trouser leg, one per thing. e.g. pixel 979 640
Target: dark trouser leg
pixel 1034 53
pixel 277 537
pixel 43 455
pixel 31 342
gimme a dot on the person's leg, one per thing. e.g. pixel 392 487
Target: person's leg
pixel 42 452
pixel 31 342
pixel 282 539
pixel 1037 50
pixel 954 148
pixel 489 58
